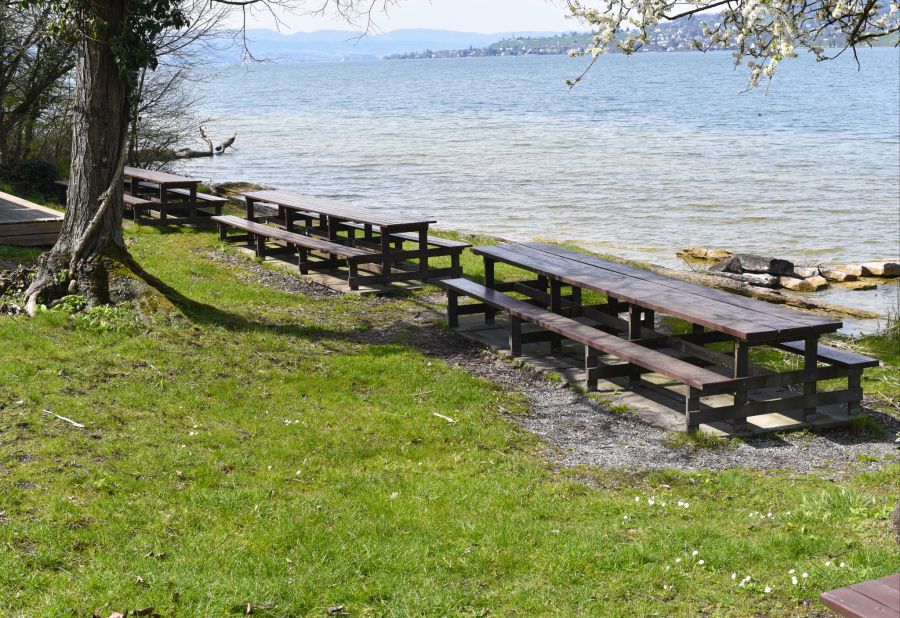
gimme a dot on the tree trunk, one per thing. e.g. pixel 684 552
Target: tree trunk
pixel 92 229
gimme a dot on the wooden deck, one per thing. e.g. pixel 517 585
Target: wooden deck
pixel 25 224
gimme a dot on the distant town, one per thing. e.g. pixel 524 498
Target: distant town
pixel 666 37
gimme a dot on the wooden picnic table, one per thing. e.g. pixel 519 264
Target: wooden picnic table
pixel 714 316
pixel 877 598
pixel 333 217
pixel 164 184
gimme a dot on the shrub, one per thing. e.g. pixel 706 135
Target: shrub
pixel 35 175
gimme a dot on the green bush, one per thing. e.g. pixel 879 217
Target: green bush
pixel 34 175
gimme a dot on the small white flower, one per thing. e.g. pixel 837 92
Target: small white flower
pixel 625 518
pixel 664 504
pixel 828 563
pixel 842 565
pixel 768 590
pixel 677 559
pixel 794 579
pixel 769 515
pixel 686 505
pixel 637 498
pixel 695 552
pixel 701 562
pixel 651 502
pixel 665 587
pixel 734 576
pixel 792 571
pixel 805 575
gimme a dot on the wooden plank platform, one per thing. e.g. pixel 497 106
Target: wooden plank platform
pixel 26 224
pixel 877 597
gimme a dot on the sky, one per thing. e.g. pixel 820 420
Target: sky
pixel 487 16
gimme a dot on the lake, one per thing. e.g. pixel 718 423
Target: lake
pixel 649 154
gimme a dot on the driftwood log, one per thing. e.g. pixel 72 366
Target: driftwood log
pixel 187 153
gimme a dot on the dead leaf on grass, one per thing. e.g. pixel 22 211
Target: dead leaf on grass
pixel 337 610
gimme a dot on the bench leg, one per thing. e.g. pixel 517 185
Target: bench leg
pixel 260 246
pixel 810 360
pixel 854 381
pixel 590 362
pixel 741 370
pixel 223 232
pixel 452 309
pixel 303 260
pixel 691 404
pixel 649 320
pixel 515 336
pixel 353 279
pixel 489 282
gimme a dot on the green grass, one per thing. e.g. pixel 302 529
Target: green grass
pixel 245 445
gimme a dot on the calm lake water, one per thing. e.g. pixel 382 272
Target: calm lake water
pixel 651 153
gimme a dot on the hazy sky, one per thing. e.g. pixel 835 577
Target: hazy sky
pixel 467 15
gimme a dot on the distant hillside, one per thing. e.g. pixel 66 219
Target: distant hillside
pixel 340 45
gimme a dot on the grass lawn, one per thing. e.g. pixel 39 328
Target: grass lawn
pixel 248 446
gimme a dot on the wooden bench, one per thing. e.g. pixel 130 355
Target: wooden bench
pixel 695 378
pixel 869 599
pixel 258 234
pixel 132 203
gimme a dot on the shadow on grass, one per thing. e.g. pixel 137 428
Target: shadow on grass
pixel 203 313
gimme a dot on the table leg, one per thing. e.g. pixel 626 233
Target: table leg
pixel 810 362
pixel 288 216
pixel 162 203
pixel 423 250
pixel 251 209
pixel 741 370
pixel 332 224
pixel 555 307
pixel 649 320
pixel 192 208
pixel 634 322
pixel 489 283
pixel 385 258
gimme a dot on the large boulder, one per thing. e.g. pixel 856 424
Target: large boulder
pixel 704 253
pixel 761 264
pixel 859 286
pixel 811 284
pixel 844 272
pixel 881 268
pixel 758 279
pixel 728 265
pixel 803 272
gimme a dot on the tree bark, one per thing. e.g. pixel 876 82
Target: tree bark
pixel 92 229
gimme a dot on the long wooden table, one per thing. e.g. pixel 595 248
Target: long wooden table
pixel 164 183
pixel 379 229
pixel 714 316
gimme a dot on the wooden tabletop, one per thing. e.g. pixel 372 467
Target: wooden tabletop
pixel 161 178
pixel 869 599
pixel 338 210
pixel 743 318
